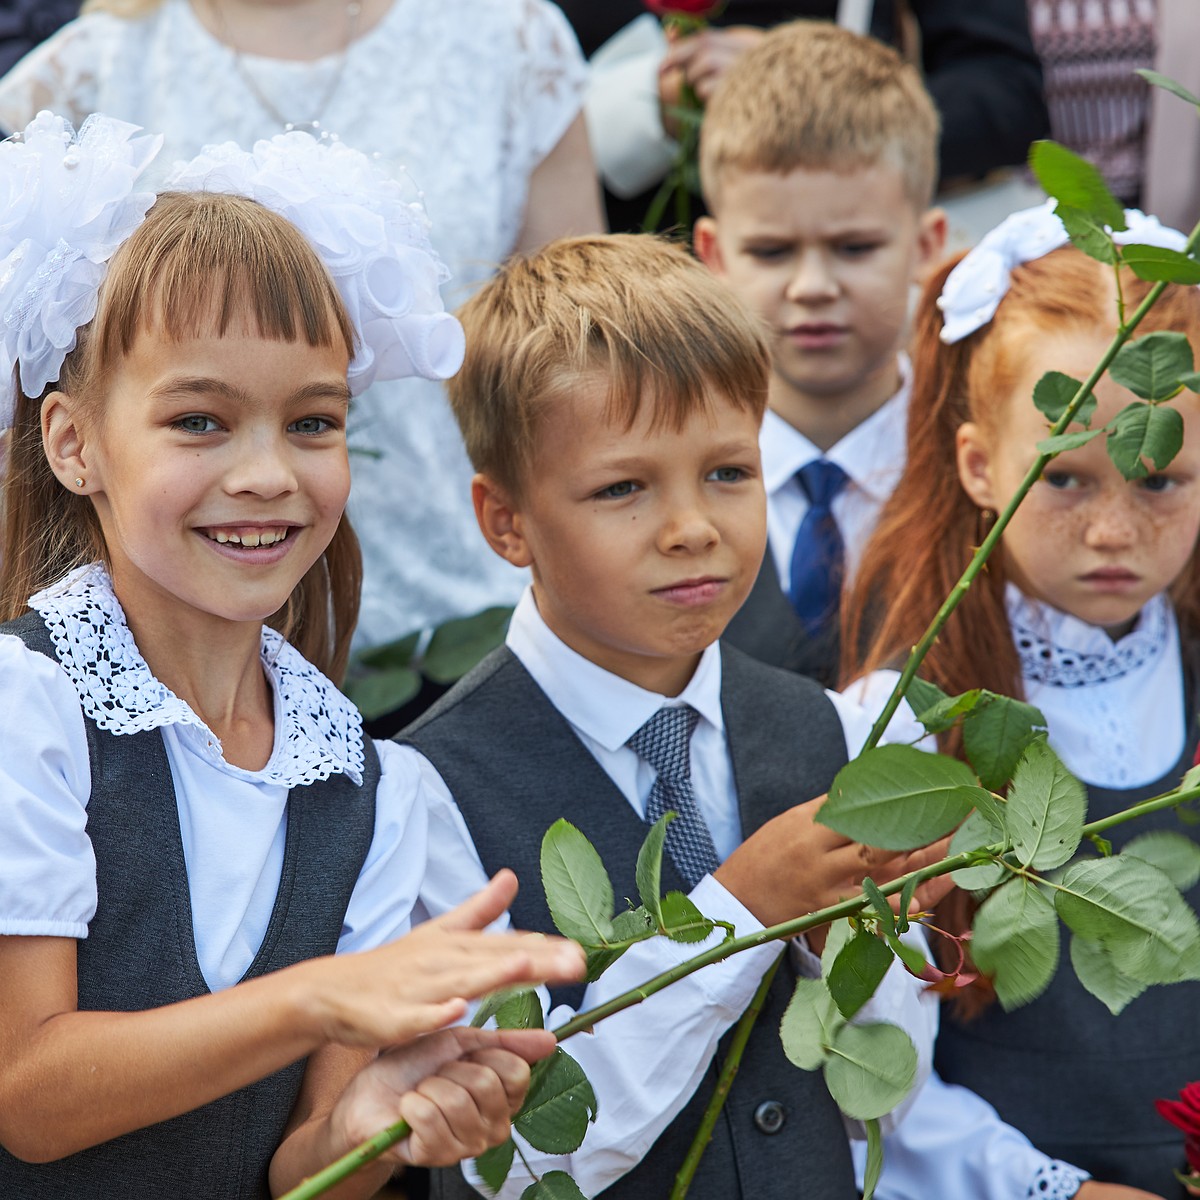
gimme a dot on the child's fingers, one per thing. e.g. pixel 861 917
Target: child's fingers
pixel 454 1115
pixel 511 1071
pixel 484 907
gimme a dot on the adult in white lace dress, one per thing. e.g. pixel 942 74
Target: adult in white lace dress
pixel 478 99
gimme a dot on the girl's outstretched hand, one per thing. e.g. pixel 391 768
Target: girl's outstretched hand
pixel 458 1090
pixel 422 981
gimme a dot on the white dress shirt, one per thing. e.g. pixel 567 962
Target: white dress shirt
pixel 1116 716
pixel 646 1062
pixel 872 454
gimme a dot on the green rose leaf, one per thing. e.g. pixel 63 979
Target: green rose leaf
pixel 947 710
pixel 1015 940
pixel 391 654
pixel 1168 85
pixel 632 925
pixel 1054 392
pixel 1062 442
pixel 974 833
pixel 1074 182
pixel 1145 431
pixel 1150 367
pixel 874 1166
pixel 1087 233
pixel 1158 264
pixel 494 1165
pixel 1136 913
pixel 840 932
pixel 521 1011
pixel 1097 973
pixel 808 1024
pixel 682 921
pixel 899 797
pixel 493 1002
pixel 1174 854
pixel 554 1185
pixel 995 736
pixel 380 692
pixel 649 867
pixel 923 695
pixel 857 972
pixel 1046 808
pixel 870 1069
pixel 460 644
pixel 559 1106
pixel 578 890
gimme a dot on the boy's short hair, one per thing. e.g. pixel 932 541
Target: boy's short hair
pixel 632 309
pixel 814 96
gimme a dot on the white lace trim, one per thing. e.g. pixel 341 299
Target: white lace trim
pixel 1061 651
pixel 319 732
pixel 1056 1180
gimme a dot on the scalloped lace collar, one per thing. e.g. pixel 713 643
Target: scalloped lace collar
pixel 318 731
pixel 1060 650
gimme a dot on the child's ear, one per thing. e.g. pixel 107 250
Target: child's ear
pixel 932 226
pixel 65 445
pixel 974 457
pixel 500 521
pixel 706 246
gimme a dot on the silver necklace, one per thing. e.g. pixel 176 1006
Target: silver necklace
pixel 353 12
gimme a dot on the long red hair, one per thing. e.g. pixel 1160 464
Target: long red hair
pixel 930 527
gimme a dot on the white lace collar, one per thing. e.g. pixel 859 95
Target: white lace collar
pixel 318 731
pixel 1060 650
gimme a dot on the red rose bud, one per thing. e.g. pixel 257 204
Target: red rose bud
pixel 1184 1114
pixel 687 8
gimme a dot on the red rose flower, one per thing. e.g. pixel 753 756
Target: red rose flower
pixel 688 8
pixel 1184 1114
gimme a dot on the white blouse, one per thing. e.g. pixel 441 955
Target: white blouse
pixel 232 821
pixel 468 97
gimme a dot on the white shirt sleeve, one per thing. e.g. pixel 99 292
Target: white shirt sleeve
pixel 952 1142
pixel 646 1062
pixel 47 867
pixel 381 905
pixel 633 151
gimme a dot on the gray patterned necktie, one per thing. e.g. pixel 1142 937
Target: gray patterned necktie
pixel 665 743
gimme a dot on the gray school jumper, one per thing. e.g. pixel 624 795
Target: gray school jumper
pixel 515 766
pixel 1077 1081
pixel 140 953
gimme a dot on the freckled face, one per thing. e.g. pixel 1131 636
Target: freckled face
pixel 219 471
pixel 644 542
pixel 1086 540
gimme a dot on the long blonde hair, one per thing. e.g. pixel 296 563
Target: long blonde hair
pixel 199 260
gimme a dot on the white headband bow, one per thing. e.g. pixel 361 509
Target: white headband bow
pixel 976 286
pixel 67 202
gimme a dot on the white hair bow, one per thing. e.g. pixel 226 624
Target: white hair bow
pixel 976 286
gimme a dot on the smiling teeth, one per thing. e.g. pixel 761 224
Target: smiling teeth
pixel 267 537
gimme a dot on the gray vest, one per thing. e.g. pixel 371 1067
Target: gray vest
pixel 1077 1081
pixel 514 765
pixel 767 628
pixel 140 953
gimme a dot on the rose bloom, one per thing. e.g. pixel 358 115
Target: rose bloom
pixel 691 8
pixel 1184 1114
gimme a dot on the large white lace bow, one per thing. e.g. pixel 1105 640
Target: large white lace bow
pixel 370 229
pixel 67 201
pixel 976 286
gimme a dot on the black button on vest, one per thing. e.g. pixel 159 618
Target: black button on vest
pixel 769 1116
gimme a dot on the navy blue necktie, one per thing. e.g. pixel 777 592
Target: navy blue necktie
pixel 818 557
pixel 665 742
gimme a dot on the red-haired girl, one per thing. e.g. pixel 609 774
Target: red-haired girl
pixel 204 865
pixel 1089 609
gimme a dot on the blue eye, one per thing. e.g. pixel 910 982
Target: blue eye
pixel 1158 483
pixel 1059 480
pixel 617 491
pixel 196 423
pixel 727 475
pixel 310 426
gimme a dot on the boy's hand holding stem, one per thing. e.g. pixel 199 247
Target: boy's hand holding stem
pixel 793 865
